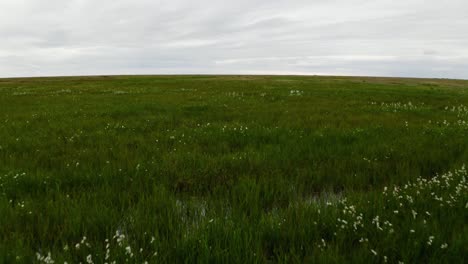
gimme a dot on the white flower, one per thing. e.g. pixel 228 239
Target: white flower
pixel 414 214
pixel 128 250
pixel 89 259
pixel 429 242
pixel 49 259
pixel 374 252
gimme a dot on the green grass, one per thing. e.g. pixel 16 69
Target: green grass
pixel 235 169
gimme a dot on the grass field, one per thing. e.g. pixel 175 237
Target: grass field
pixel 233 169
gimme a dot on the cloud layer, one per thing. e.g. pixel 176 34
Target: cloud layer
pixel 418 38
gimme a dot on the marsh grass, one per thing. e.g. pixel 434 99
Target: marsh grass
pixel 234 169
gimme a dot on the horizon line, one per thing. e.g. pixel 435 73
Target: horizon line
pixel 234 74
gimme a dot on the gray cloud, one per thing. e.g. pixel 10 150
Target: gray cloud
pixel 420 38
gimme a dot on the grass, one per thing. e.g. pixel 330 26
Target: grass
pixel 235 169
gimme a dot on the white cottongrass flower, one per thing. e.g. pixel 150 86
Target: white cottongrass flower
pixel 48 259
pixel 89 259
pixel 128 251
pixel 429 242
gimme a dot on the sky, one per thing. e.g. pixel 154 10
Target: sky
pixel 404 38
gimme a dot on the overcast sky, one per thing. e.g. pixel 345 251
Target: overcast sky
pixel 419 38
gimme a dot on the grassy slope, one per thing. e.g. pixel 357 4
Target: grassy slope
pixel 209 165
